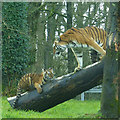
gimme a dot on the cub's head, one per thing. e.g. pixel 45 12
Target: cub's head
pixel 49 74
pixel 67 39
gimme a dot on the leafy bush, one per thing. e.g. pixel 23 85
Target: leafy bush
pixel 15 45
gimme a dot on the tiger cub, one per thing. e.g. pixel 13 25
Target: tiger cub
pixel 31 81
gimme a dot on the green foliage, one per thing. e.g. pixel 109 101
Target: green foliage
pixel 79 109
pixel 15 49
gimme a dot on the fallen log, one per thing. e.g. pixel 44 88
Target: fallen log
pixel 61 89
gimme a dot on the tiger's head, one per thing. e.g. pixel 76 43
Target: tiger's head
pixel 66 40
pixel 48 74
pixel 57 49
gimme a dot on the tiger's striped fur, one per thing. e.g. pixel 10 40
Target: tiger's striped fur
pixel 31 81
pixel 90 36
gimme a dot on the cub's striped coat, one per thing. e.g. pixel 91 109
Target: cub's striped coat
pixel 31 81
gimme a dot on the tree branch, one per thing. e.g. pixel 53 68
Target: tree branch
pixel 62 89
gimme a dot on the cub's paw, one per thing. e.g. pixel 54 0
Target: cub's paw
pixel 39 90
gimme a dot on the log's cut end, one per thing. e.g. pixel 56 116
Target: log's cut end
pixel 61 89
pixel 12 99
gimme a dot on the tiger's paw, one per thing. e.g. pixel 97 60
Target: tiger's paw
pixel 39 90
pixel 77 69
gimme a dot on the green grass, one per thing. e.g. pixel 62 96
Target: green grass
pixel 69 109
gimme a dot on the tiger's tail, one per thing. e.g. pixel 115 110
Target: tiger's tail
pixel 24 79
pixel 17 98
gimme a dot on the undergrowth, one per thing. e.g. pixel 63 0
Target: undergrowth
pixel 69 109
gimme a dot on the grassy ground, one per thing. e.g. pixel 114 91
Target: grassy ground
pixel 69 109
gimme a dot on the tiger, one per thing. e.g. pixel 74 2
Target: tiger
pixel 90 36
pixel 31 81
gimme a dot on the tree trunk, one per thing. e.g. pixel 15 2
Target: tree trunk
pixel 33 21
pixel 40 42
pixel 71 65
pixel 109 102
pixel 61 89
pixel 79 12
pixel 48 60
pixel 118 80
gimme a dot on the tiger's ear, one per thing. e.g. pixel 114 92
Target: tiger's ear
pixel 54 47
pixel 55 43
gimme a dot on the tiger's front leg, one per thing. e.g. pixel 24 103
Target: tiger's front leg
pixel 38 87
pixel 78 67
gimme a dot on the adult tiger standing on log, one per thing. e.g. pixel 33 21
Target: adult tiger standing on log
pixel 31 81
pixel 91 36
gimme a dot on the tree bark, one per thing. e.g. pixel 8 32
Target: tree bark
pixel 51 24
pixel 61 89
pixel 118 38
pixel 40 42
pixel 71 57
pixel 109 99
pixel 109 105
